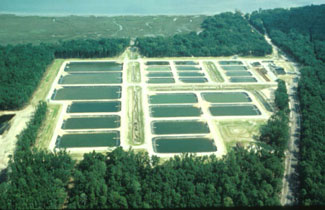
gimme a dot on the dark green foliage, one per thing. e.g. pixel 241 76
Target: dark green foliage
pixel 90 48
pixel 312 143
pixel 36 179
pixel 22 66
pixel 300 32
pixel 128 180
pixel 276 132
pixel 223 35
pixel 281 97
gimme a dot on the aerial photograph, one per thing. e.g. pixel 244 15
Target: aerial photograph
pixel 110 104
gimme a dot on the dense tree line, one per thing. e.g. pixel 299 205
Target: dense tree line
pixel 36 179
pixel 276 132
pixel 90 48
pixel 300 32
pixel 22 66
pixel 127 180
pixel 222 35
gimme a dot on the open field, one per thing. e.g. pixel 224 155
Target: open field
pixel 213 72
pixel 135 115
pixel 46 132
pixel 239 131
pixel 133 72
pixel 33 29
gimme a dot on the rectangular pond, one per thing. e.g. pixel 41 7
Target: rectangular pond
pixel 193 63
pixel 157 63
pixel 109 139
pixel 160 74
pixel 226 97
pixel 158 68
pixel 172 98
pixel 193 80
pixel 183 144
pixel 92 78
pixel 190 74
pixel 161 80
pixel 234 110
pixel 112 121
pixel 93 66
pixel 234 68
pixel 188 68
pixel 238 73
pixel 175 111
pixel 87 93
pixel 243 79
pixel 230 63
pixel 179 127
pixel 94 106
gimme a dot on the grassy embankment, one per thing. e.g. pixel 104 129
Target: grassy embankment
pixel 52 115
pixel 135 116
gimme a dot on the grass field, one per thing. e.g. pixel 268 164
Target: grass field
pixel 239 131
pixel 46 82
pixel 133 72
pixel 135 116
pixel 46 132
pixel 34 29
pixel 213 72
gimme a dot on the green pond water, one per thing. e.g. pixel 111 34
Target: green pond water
pixel 238 73
pixel 175 111
pixel 188 68
pixel 226 97
pixel 234 68
pixel 190 74
pixel 243 79
pixel 109 106
pixel 113 121
pixel 234 110
pixel 230 63
pixel 193 80
pixel 160 74
pixel 172 98
pixel 88 93
pixel 92 78
pixel 179 127
pixel 157 63
pixel 158 68
pixel 180 145
pixel 161 80
pixel 111 139
pixel 93 66
pixel 4 122
pixel 186 63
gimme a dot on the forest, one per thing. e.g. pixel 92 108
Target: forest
pixel 300 33
pixel 22 66
pixel 125 179
pixel 225 34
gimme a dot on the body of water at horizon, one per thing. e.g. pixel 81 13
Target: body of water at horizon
pixel 142 7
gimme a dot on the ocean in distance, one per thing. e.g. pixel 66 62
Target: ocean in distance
pixel 141 7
